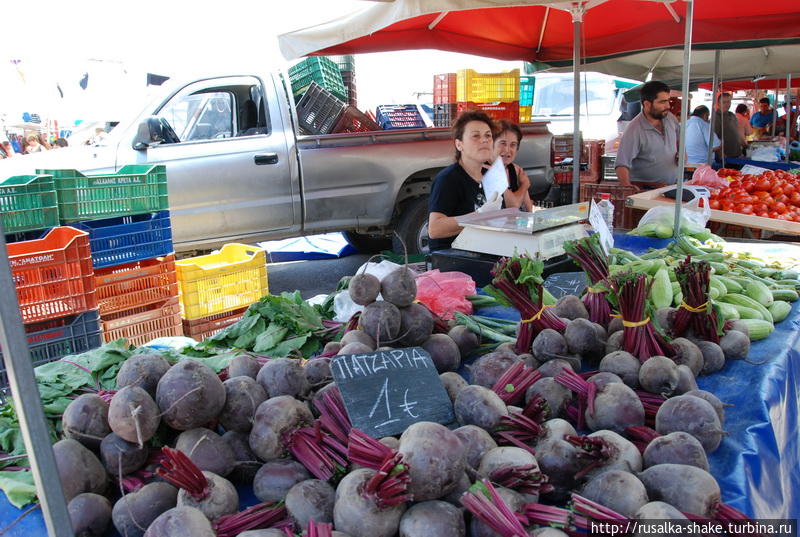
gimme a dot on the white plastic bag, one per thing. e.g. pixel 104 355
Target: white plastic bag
pixel 693 217
pixel 343 305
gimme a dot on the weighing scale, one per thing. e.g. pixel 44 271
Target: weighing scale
pixel 504 232
pixel 490 235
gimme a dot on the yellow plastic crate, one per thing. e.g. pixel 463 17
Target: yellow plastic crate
pixel 231 278
pixel 477 87
pixel 525 114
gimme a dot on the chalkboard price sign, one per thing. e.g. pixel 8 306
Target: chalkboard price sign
pixel 566 283
pixel 385 392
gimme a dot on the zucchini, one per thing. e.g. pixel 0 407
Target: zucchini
pixel 719 268
pixel 745 312
pixel 661 290
pixel 676 288
pixel 759 292
pixel 677 299
pixel 758 329
pixel 749 264
pixel 742 300
pixel 785 275
pixel 731 285
pixel 787 295
pixel 779 310
pixel 703 235
pixel 729 312
pixel 714 283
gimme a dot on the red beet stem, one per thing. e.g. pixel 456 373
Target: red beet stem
pixel 514 382
pixel 364 450
pixel 545 515
pixel 389 485
pixel 259 516
pixel 592 450
pixel 525 479
pixel 594 510
pixel 179 470
pixel 485 504
pixel 333 415
pixel 318 452
pixel 733 519
pixel 319 529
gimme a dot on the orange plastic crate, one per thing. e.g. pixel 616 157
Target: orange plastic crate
pixel 53 275
pixel 144 323
pixel 200 329
pixel 128 286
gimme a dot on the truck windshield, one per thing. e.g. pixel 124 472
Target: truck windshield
pixel 553 96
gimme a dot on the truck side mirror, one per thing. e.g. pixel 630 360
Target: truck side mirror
pixel 151 132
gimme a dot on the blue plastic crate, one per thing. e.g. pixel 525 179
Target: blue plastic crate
pixel 399 116
pixel 125 239
pixel 527 83
pixel 51 340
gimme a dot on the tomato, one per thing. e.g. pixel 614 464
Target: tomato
pixel 742 197
pixel 749 186
pixel 783 198
pixel 779 207
pixel 735 184
pixel 789 189
pixel 794 199
pixel 760 208
pixel 760 195
pixel 763 184
pixel 746 209
pixel 714 204
pixel 727 206
pixel 776 191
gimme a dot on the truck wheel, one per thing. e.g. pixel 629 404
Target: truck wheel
pixel 412 228
pixel 368 244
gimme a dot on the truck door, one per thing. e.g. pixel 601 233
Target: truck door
pixel 229 176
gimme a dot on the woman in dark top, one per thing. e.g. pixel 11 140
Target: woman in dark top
pixel 457 190
pixel 506 144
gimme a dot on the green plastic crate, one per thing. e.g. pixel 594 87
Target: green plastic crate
pixel 317 69
pixel 28 203
pixel 345 63
pixel 134 189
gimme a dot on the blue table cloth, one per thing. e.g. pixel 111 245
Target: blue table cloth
pixel 761 164
pixel 757 465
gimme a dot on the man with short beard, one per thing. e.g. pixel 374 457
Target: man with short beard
pixel 726 127
pixel 648 150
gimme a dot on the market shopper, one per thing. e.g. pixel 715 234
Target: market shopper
pixel 648 150
pixel 33 145
pixel 698 130
pixel 726 127
pixel 763 119
pixel 743 117
pixel 506 145
pixel 457 190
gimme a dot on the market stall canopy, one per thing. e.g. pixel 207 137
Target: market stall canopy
pixel 542 31
pixel 735 63
pixel 757 83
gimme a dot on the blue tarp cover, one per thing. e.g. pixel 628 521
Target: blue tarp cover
pixel 327 246
pixel 757 463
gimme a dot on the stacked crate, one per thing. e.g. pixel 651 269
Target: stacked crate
pixel 52 274
pixel 320 70
pixel 497 94
pixel 399 116
pixel 216 289
pixel 347 67
pixel 444 99
pixel 527 83
pixel 126 218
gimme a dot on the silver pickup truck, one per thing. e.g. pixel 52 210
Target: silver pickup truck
pixel 237 170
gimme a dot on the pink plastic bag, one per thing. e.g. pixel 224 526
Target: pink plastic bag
pixel 445 292
pixel 706 176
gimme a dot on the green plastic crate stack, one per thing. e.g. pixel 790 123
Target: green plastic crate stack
pixel 345 63
pixel 317 69
pixel 134 189
pixel 28 203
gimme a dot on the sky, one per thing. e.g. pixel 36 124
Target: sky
pixel 118 42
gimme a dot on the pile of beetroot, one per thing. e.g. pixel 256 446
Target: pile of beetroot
pixel 540 448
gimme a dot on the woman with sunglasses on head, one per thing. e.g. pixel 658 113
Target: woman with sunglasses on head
pixel 506 145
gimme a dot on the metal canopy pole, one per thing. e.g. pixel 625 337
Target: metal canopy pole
pixel 714 90
pixel 577 18
pixel 687 58
pixel 788 115
pixel 28 406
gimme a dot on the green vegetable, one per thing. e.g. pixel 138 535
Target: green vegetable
pixel 703 235
pixel 743 300
pixel 663 231
pixel 759 292
pixel 661 290
pixel 758 329
pixel 744 312
pixel 731 285
pixel 784 294
pixel 779 310
pixel 729 312
pixel 719 268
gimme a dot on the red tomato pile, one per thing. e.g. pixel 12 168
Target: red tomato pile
pixel 772 194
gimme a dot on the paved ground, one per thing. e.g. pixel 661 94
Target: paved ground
pixel 312 278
